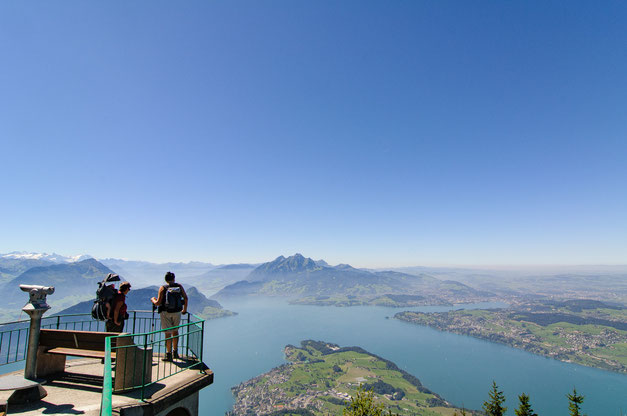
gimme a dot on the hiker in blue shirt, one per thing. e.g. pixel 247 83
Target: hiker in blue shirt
pixel 171 302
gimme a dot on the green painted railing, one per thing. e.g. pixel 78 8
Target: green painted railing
pixel 139 358
pixel 14 335
pixel 107 382
pixel 142 346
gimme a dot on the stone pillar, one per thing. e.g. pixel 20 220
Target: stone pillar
pixel 35 308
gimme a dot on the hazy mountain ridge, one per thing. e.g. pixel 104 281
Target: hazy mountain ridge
pixel 216 279
pixel 144 273
pixel 300 277
pixel 11 267
pixel 71 281
pixel 139 299
pixel 237 266
pixel 22 268
pixel 141 273
pixel 600 282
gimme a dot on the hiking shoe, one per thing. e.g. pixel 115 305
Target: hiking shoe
pixel 175 355
pixel 168 357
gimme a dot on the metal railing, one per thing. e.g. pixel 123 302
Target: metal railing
pixel 13 341
pixel 14 335
pixel 138 353
pixel 140 358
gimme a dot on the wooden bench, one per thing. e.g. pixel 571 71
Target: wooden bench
pixel 88 344
pixel 56 344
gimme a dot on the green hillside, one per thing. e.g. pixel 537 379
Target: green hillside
pixel 321 377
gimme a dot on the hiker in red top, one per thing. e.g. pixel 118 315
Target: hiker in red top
pixel 115 323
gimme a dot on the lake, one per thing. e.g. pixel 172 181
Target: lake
pixel 457 367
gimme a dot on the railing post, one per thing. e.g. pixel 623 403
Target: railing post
pixel 187 337
pixel 58 321
pixel 17 346
pixel 144 366
pixel 202 345
pixel 9 347
pixel 134 319
pixel 106 399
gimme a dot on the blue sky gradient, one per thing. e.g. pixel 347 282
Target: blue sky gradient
pixel 367 132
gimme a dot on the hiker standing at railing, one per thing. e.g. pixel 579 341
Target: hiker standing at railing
pixel 118 314
pixel 171 302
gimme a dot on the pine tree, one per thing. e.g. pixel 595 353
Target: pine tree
pixel 494 407
pixel 574 401
pixel 363 404
pixel 525 408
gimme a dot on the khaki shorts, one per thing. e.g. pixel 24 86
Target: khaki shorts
pixel 170 319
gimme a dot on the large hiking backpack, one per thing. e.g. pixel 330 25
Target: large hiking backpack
pixel 173 301
pixel 104 295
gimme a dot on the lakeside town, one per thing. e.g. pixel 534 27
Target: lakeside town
pixel 594 336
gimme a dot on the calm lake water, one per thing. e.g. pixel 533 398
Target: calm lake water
pixel 459 368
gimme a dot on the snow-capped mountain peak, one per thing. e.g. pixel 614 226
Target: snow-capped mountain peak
pixel 54 257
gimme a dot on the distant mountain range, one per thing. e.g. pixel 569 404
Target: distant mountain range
pixel 54 257
pixel 296 276
pixel 76 277
pixel 12 267
pixel 216 279
pixel 76 283
pixel 310 281
pixel 139 300
pixel 72 281
pixel 143 273
pixel 301 277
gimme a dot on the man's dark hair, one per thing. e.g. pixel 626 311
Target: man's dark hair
pixel 169 276
pixel 124 286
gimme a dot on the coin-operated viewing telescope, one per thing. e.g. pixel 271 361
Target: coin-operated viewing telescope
pixel 35 308
pixel 37 295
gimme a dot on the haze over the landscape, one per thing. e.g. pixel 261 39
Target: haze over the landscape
pixel 576 315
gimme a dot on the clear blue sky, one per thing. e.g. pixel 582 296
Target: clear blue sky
pixel 382 133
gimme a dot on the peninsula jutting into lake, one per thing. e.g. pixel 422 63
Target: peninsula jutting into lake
pixel 322 377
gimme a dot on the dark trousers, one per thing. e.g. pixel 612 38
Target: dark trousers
pixel 112 327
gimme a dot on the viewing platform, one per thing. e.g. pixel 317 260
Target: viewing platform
pixel 79 391
pixel 73 367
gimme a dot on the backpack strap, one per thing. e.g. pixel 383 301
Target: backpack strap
pixel 165 289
